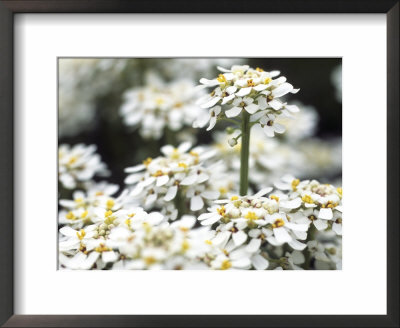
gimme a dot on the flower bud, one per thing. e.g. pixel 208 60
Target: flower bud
pixel 230 130
pixel 232 142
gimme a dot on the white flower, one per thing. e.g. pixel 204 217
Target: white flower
pixel 180 173
pixel 78 164
pixel 240 104
pixel 158 106
pixel 269 125
pixel 252 90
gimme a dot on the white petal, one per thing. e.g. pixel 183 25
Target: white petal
pixel 205 216
pixel 251 109
pixel 262 102
pixel 325 214
pixel 261 87
pixel 337 228
pixel 282 235
pixel 68 231
pixel 109 256
pixel 233 112
pixel 259 262
pixel 171 193
pixel 254 245
pixel 211 220
pixel 150 199
pixel 231 89
pixel 135 168
pixel 262 192
pixel 189 180
pixel 321 224
pixel 243 263
pixel 295 244
pixel 269 131
pixel 291 204
pixel 275 104
pixel 220 68
pixel 213 121
pixel 243 92
pixel 292 108
pixel 155 218
pixel 221 238
pixel 133 178
pixel 227 99
pixel 196 203
pixel 239 237
pixel 211 102
pixel 297 227
pixel 162 180
pixel 279 128
pixel 208 82
pixel 210 194
pixel 184 146
pixel 282 90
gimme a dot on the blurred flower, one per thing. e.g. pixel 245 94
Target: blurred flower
pixel 78 164
pixel 336 79
pixel 159 106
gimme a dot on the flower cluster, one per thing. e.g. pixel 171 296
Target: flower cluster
pixel 253 91
pixel 158 106
pixel 101 232
pixel 258 226
pixel 78 164
pixel 181 172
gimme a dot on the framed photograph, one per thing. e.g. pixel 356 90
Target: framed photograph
pixel 173 165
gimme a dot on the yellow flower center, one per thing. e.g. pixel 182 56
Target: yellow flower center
pixel 185 245
pixel 110 204
pixel 147 161
pixel 226 264
pixel 84 214
pixel 70 216
pixel 184 165
pixel 221 210
pixel 102 248
pixel 150 260
pixel 158 173
pixel 208 242
pixel 81 234
pixel 234 198
pixel 175 154
pixel 72 160
pixel 258 69
pixel 329 204
pixel 250 83
pixel 278 223
pixel 307 199
pixel 274 197
pixel 221 78
pixel 295 183
pixel 250 215
pixel 267 80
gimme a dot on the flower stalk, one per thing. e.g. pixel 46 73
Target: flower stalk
pixel 244 154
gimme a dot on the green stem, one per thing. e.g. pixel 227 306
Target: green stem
pixel 244 154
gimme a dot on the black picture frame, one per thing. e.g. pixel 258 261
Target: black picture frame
pixel 8 201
